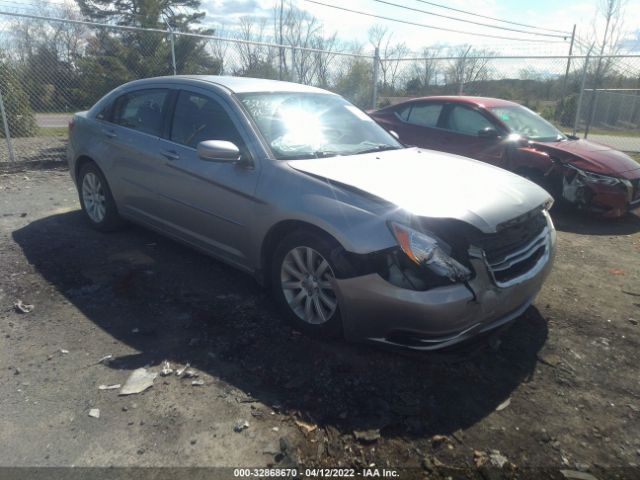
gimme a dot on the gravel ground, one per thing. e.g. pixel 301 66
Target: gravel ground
pixel 562 391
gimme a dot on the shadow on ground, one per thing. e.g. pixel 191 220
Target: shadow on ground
pixel 568 219
pixel 186 307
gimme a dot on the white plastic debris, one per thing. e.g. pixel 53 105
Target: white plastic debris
pixel 139 380
pixel 64 351
pixel 94 412
pixel 166 369
pixel 503 405
pixel 197 383
pixel 180 371
pixel 23 307
pixel 109 387
pixel 106 359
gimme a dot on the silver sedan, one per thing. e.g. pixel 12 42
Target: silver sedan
pixel 356 234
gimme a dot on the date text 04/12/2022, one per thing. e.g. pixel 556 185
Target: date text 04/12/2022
pixel 316 472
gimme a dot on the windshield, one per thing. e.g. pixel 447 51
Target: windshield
pixel 523 121
pixel 314 125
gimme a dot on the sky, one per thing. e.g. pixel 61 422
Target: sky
pixel 550 14
pixel 224 15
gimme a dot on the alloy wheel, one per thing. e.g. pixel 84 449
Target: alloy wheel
pixel 306 282
pixel 93 197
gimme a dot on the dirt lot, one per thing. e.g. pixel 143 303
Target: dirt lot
pixel 562 392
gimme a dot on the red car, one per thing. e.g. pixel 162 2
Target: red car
pixel 589 175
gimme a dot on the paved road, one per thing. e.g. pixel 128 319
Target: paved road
pixel 626 144
pixel 53 120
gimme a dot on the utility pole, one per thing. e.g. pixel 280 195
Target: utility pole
pixel 280 39
pixel 173 46
pixel 576 121
pixel 376 62
pixel 563 89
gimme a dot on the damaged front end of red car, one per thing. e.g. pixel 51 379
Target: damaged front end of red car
pixel 607 196
pixel 611 192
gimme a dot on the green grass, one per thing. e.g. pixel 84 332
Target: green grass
pixel 52 131
pixel 634 155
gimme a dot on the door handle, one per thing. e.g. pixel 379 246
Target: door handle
pixel 170 155
pixel 109 133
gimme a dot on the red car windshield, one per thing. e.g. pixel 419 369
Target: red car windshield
pixel 524 122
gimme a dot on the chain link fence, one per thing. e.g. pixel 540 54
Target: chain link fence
pixel 52 67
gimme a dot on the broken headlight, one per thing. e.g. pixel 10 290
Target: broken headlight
pixel 597 178
pixel 427 252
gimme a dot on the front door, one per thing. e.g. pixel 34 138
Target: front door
pixel 211 203
pixel 461 134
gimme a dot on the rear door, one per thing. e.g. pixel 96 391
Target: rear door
pixel 460 134
pixel 132 141
pixel 419 122
pixel 209 202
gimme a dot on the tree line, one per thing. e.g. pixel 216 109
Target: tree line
pixel 64 66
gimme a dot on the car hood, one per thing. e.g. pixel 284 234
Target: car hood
pixel 434 184
pixel 591 156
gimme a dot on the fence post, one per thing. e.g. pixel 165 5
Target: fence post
pixel 294 70
pixel 563 88
pixel 7 134
pixel 592 112
pixel 376 62
pixel 173 46
pixel 582 83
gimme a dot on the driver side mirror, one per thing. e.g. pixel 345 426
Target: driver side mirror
pixel 488 133
pixel 218 151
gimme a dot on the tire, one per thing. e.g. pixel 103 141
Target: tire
pixel 96 199
pixel 307 307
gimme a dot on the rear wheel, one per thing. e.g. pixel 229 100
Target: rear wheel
pixel 96 199
pixel 302 280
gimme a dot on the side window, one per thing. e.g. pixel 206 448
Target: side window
pixel 197 118
pixel 142 110
pixel 425 115
pixel 403 113
pixel 105 113
pixel 467 121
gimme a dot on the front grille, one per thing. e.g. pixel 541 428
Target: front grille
pixel 516 247
pixel 512 237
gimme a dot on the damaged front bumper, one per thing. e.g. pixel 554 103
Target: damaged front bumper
pixel 377 311
pixel 604 195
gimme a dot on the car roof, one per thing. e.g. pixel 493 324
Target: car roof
pixel 474 101
pixel 236 84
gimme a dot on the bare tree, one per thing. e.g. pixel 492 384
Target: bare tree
pixel 608 30
pixel 301 29
pixel 469 65
pixel 611 13
pixel 323 61
pixel 424 71
pixel 389 52
pixel 255 59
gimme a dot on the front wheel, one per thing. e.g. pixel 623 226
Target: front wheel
pixel 302 280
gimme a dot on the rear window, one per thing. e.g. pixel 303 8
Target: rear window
pixel 424 115
pixel 143 110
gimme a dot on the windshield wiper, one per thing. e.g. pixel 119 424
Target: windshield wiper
pixel 307 155
pixel 378 148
